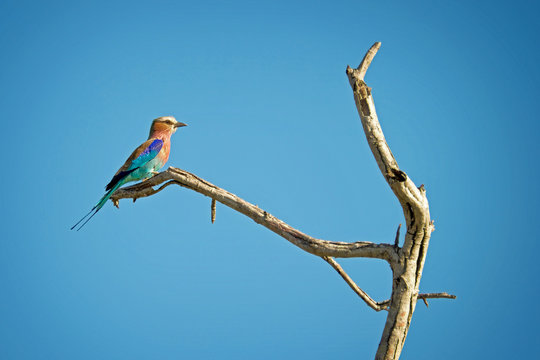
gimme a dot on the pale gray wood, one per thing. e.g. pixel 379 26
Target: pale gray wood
pixel 406 263
pixel 407 271
pixel 305 242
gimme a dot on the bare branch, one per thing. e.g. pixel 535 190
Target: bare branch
pixel 396 241
pixel 382 305
pixel 398 180
pixel 145 191
pixel 441 295
pixel 407 262
pixel 408 270
pixel 363 295
pixel 366 61
pixel 305 242
pixel 213 211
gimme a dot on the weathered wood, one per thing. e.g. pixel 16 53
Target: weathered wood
pixel 310 244
pixel 408 270
pixel 406 263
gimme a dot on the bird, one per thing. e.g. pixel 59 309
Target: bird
pixel 143 163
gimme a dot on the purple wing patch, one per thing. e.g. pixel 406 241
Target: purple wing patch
pixel 145 156
pixel 154 147
pixel 148 154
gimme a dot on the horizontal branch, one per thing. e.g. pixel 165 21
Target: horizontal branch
pixel 174 176
pixel 441 295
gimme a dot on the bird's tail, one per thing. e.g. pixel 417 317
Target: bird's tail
pixel 98 206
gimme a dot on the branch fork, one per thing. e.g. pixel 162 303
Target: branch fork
pixel 406 262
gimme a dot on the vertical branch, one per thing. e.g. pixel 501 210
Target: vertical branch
pixel 396 241
pixel 213 211
pixel 407 271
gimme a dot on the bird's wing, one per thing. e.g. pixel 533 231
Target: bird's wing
pixel 143 154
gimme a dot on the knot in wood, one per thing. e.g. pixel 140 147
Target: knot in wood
pixel 397 175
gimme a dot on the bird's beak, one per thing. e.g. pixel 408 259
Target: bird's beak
pixel 179 124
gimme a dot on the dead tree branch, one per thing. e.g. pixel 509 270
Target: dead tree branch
pixel 406 263
pixel 396 241
pixel 424 297
pixel 408 271
pixel 378 305
pixel 363 295
pixel 305 242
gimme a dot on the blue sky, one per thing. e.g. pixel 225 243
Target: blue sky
pixel 271 118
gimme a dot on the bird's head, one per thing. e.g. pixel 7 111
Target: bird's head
pixel 165 124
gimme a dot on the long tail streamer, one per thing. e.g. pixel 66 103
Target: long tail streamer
pixel 98 207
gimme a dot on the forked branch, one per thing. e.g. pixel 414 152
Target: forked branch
pixel 406 263
pixel 378 305
pixel 413 200
pixel 363 295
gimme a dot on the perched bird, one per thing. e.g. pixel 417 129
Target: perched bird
pixel 144 162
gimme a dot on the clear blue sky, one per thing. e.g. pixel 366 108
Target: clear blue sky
pixel 271 118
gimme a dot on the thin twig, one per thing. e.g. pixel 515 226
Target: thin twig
pixel 363 295
pixel 213 211
pixel 441 295
pixel 368 58
pixel 396 242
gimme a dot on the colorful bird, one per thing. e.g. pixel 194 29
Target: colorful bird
pixel 144 162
